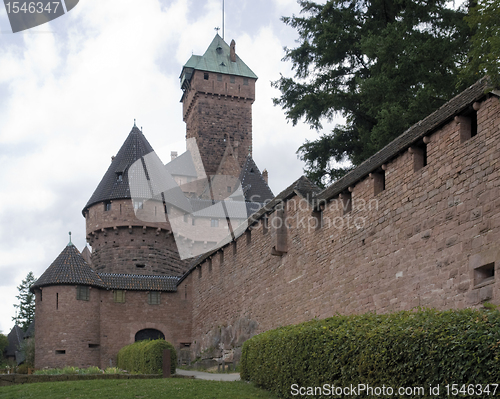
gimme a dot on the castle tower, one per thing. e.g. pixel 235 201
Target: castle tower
pixel 218 93
pixel 67 313
pixel 122 241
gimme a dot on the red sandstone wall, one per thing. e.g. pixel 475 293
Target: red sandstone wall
pixel 64 323
pixel 214 109
pixel 417 243
pixel 119 322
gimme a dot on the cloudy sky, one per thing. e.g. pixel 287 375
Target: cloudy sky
pixel 70 90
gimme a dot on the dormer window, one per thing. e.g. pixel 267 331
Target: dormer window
pixel 119 176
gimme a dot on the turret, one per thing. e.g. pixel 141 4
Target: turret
pixel 218 93
pixel 130 234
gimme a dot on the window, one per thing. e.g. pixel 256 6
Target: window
pixel 235 248
pixel 60 352
pixel 82 293
pixel 484 274
pixel 245 81
pixel 214 223
pixel 138 205
pixel 219 77
pixel 317 216
pixel 249 237
pixel 210 265
pixel 199 271
pixel 419 154
pixel 185 218
pixel 140 265
pixel 231 79
pixel 192 222
pixel 107 206
pixel 119 296
pixel 221 257
pixel 378 182
pixel 265 225
pixel 205 76
pixel 467 125
pixel 119 176
pixel 346 202
pixel 154 297
pixel 228 189
pixel 94 346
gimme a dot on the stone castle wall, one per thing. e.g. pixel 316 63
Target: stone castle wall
pixel 216 111
pixel 66 329
pixel 415 236
pixel 90 333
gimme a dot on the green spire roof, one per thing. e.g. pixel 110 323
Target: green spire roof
pixel 217 59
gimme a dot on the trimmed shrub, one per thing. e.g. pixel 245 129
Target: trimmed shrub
pixel 405 349
pixel 146 357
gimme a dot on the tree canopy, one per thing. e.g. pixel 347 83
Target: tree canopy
pixel 382 64
pixel 26 307
pixel 484 55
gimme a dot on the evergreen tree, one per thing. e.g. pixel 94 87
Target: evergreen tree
pixel 25 313
pixel 4 342
pixel 484 55
pixel 382 64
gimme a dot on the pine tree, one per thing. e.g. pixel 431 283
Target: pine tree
pixel 382 64
pixel 25 313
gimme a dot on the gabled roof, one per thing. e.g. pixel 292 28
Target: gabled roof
pixel 216 59
pixel 254 186
pixel 68 268
pixel 112 186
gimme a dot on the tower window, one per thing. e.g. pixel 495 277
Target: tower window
pixel 60 352
pixel 119 296
pixel 205 76
pixel 138 205
pixel 245 81
pixel 214 223
pixel 107 206
pixel 219 77
pixel 154 297
pixel 231 79
pixel 82 293
pixel 228 189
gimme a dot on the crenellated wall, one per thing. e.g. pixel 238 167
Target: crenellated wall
pixel 415 236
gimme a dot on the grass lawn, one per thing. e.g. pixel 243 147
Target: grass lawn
pixel 173 388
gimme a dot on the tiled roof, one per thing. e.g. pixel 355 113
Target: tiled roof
pixel 253 184
pixel 114 187
pixel 216 59
pixel 455 106
pixel 69 268
pixel 139 282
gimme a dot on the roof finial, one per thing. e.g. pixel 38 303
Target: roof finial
pixel 70 243
pixel 134 123
pixel 217 29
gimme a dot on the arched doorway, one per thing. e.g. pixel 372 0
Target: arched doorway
pixel 148 333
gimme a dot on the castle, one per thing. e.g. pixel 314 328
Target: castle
pixel 417 224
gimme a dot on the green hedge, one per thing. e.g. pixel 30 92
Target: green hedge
pixel 404 349
pixel 146 357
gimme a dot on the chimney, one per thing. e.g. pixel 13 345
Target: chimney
pixel 173 155
pixel 265 176
pixel 112 158
pixel 232 51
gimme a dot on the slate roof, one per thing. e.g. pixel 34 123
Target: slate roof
pixel 216 59
pixel 15 339
pixel 182 166
pixel 139 282
pixel 30 331
pixel 434 121
pixel 111 187
pixel 68 268
pixel 254 186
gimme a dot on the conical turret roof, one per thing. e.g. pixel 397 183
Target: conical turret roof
pixel 69 268
pixel 115 184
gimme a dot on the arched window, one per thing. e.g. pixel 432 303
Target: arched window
pixel 148 333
